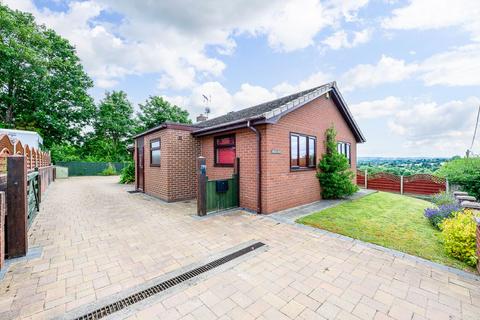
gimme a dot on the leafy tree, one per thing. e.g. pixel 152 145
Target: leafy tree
pixel 113 128
pixel 335 175
pixel 43 86
pixel 464 172
pixel 157 110
pixel 65 152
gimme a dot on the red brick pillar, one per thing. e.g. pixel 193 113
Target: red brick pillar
pixel 2 229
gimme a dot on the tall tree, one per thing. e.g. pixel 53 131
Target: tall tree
pixel 43 86
pixel 114 123
pixel 157 110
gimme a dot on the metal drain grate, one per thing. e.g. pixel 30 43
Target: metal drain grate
pixel 144 294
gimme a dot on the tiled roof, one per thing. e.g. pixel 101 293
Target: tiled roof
pixel 255 111
pixel 268 111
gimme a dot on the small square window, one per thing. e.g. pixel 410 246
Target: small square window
pixel 224 151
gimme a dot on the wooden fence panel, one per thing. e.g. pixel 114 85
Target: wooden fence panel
pixel 423 184
pixel 19 149
pixel 360 178
pixel 384 182
pixel 28 157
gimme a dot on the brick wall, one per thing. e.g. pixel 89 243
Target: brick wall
pixel 245 140
pixel 283 188
pixel 175 179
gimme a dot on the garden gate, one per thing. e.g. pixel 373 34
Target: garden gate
pixel 217 195
pixel 33 195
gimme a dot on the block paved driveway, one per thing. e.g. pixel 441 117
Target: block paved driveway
pixel 99 240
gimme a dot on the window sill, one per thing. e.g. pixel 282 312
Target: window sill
pixel 223 165
pixel 155 165
pixel 302 169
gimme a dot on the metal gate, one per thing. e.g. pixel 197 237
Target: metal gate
pixel 32 196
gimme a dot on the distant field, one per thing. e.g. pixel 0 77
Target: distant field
pixel 400 166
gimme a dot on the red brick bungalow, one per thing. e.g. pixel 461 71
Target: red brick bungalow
pixel 279 144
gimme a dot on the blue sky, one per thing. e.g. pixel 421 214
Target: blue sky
pixel 409 77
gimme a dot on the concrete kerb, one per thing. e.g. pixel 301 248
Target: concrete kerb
pixel 152 300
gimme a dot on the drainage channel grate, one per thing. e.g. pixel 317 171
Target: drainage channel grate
pixel 144 294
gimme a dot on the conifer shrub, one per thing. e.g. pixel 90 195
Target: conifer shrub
pixel 335 175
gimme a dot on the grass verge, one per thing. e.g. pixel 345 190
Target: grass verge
pixel 389 220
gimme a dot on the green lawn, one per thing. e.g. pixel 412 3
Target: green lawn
pixel 387 219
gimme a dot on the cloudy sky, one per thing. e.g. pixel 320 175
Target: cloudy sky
pixel 409 70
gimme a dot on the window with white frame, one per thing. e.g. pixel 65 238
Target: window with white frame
pixel 345 149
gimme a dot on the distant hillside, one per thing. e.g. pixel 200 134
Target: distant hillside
pixel 400 166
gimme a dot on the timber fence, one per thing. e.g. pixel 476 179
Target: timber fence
pixel 25 174
pixel 417 184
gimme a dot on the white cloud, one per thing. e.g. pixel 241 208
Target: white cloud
pixel 169 38
pixel 221 100
pixel 436 14
pixel 340 39
pixel 457 67
pixel 250 95
pixel 376 108
pixel 387 70
pixel 445 127
pixel 315 79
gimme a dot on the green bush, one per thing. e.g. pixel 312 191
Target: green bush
pixel 464 172
pixel 64 152
pixel 109 171
pixel 128 173
pixel 459 236
pixel 335 175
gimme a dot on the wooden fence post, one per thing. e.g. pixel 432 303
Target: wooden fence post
pixel 366 179
pixel 39 185
pixel 2 228
pixel 16 219
pixel 202 186
pixel 401 184
pixel 447 186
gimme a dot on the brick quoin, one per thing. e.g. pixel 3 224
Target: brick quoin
pixel 281 187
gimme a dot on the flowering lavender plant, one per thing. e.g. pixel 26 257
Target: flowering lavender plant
pixel 443 198
pixel 437 215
